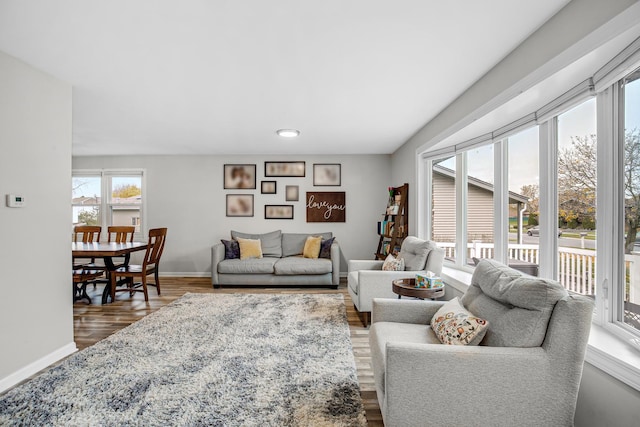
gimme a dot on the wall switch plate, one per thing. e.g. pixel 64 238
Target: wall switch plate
pixel 15 201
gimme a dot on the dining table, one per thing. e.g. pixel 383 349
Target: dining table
pixel 106 251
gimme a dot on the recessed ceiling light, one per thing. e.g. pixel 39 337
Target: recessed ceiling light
pixel 288 133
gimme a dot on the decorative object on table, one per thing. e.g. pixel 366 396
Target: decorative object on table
pixel 326 206
pixel 239 177
pixel 202 360
pixel 292 193
pixel 394 226
pixel 283 169
pixel 239 204
pixel 531 357
pixel 407 287
pixel 428 280
pixel 278 212
pixel 326 174
pixel 268 187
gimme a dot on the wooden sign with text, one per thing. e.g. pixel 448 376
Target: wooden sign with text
pixel 326 206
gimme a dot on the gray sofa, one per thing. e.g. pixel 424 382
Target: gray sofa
pixel 525 372
pixel 282 262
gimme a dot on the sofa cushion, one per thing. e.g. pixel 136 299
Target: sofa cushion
pixel 231 249
pixel 249 266
pixel 312 247
pixel 453 325
pixel 249 248
pixel 517 307
pixel 293 243
pixel 300 265
pixel 415 251
pixel 271 242
pixel 325 248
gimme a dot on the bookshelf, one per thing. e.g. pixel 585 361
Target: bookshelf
pixel 394 226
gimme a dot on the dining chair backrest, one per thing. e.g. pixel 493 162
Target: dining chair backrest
pixel 86 233
pixel 157 237
pixel 120 233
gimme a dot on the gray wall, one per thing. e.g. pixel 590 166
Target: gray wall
pixel 185 194
pixel 35 277
pixel 602 400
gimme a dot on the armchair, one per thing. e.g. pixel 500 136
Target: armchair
pixel 366 279
pixel 526 370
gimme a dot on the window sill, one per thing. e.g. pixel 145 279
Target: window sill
pixel 605 351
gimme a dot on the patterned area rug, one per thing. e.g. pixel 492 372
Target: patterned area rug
pixel 207 359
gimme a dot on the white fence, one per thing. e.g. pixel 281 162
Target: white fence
pixel 576 267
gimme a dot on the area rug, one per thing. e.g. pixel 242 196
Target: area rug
pixel 207 359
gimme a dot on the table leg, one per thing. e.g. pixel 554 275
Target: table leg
pixel 110 288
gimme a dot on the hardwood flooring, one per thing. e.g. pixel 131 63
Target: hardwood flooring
pixel 96 321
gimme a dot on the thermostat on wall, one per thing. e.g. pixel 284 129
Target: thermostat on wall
pixel 15 201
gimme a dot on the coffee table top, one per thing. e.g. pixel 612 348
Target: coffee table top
pixel 407 287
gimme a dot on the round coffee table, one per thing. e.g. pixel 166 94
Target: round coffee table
pixel 407 288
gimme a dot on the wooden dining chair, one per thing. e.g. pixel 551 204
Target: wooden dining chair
pixel 120 233
pixel 87 233
pixel 150 265
pixel 82 276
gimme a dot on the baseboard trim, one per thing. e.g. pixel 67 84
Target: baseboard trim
pixel 35 367
pixel 185 274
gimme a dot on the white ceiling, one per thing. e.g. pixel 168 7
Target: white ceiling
pixel 219 77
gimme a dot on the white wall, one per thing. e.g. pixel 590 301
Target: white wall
pixel 185 194
pixel 35 277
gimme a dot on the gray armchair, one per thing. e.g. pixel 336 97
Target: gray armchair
pixel 526 371
pixel 366 280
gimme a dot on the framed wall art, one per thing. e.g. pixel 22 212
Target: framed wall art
pixel 325 206
pixel 268 187
pixel 239 177
pixel 278 212
pixel 326 174
pixel 294 169
pixel 239 204
pixel 292 193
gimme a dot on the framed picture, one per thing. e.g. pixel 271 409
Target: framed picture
pixel 268 187
pixel 239 177
pixel 326 174
pixel 239 204
pixel 278 212
pixel 326 206
pixel 292 194
pixel 296 169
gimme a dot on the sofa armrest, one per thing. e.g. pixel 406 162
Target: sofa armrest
pixel 217 255
pixel 363 264
pixel 438 373
pixel 404 311
pixel 335 263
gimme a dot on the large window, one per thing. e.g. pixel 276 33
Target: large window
pixel 107 198
pixel 443 204
pixel 479 205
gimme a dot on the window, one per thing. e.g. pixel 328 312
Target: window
pixel 576 195
pixel 443 204
pixel 630 295
pixel 479 204
pixel 108 198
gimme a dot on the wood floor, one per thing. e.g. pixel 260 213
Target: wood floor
pixel 96 321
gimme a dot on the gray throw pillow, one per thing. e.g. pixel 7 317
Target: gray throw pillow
pixel 271 242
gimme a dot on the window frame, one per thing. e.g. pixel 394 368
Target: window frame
pixel 105 195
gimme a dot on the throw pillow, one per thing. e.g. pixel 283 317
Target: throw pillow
pixel 325 248
pixel 454 325
pixel 231 249
pixel 249 248
pixel 392 263
pixel 312 247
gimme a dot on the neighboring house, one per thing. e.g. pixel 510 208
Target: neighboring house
pixel 479 209
pixel 124 211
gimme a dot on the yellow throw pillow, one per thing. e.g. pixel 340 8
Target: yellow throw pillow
pixel 312 247
pixel 249 248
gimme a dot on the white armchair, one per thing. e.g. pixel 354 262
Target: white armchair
pixel 366 280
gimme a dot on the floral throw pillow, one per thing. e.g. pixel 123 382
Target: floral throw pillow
pixel 454 325
pixel 392 263
pixel 231 249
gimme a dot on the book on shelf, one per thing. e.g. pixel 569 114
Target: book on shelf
pixel 385 228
